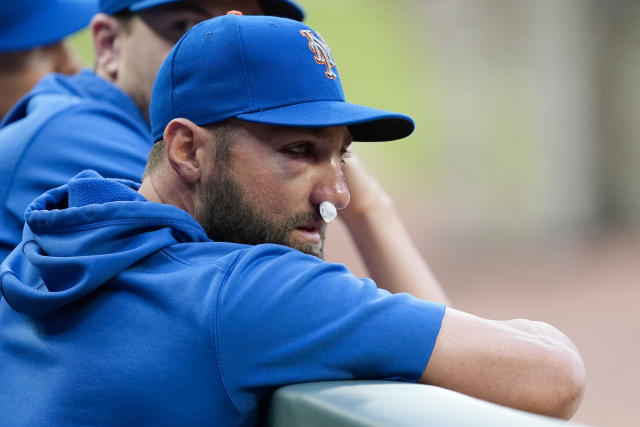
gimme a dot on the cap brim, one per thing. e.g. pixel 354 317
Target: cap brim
pixel 282 8
pixel 365 124
pixel 49 24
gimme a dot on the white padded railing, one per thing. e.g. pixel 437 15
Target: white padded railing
pixel 387 404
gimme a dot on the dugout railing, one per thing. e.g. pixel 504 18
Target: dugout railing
pixel 388 404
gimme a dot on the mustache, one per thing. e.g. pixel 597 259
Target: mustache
pixel 304 218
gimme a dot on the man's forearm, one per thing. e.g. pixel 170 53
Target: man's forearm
pixel 517 363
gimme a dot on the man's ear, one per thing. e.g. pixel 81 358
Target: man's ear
pixel 106 31
pixel 185 145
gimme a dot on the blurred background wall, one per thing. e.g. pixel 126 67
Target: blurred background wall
pixel 521 183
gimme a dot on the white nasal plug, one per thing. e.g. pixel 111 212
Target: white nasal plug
pixel 328 211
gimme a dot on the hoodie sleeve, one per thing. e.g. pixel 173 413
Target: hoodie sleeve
pixel 284 317
pixel 56 147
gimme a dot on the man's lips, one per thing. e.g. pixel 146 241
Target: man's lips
pixel 312 230
pixel 312 226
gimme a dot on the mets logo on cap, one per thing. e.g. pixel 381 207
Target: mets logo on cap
pixel 321 52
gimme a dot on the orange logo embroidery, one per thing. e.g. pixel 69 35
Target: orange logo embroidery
pixel 321 52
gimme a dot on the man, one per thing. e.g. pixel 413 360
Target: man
pixel 119 310
pixel 32 43
pixel 97 120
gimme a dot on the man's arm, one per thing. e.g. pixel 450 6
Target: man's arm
pixel 393 261
pixel 517 363
pixel 325 324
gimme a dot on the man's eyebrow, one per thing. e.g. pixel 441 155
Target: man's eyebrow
pixel 323 131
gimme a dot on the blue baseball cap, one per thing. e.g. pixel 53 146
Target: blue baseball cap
pixel 27 24
pixel 261 69
pixel 282 8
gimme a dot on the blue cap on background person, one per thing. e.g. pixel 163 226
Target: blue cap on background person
pixel 26 24
pixel 261 69
pixel 282 8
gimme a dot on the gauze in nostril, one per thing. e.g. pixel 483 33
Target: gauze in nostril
pixel 328 211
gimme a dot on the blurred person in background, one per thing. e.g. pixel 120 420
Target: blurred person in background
pixel 99 120
pixel 32 43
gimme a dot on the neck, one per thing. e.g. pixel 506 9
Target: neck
pixel 148 191
pixel 34 65
pixel 159 189
pixel 15 85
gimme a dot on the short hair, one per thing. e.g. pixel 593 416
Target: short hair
pixel 223 144
pixel 155 157
pixel 223 140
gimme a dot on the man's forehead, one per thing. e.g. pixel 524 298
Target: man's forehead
pixel 297 132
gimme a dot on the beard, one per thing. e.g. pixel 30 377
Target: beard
pixel 227 215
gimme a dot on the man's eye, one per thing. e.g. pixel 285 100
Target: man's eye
pixel 299 149
pixel 345 153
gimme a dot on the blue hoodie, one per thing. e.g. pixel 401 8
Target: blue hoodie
pixel 117 311
pixel 64 125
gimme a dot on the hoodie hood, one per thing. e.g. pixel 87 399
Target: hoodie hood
pixel 79 236
pixel 82 86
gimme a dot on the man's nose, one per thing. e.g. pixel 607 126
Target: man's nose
pixel 331 186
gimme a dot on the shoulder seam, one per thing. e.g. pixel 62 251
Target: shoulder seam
pixel 171 253
pixel 216 337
